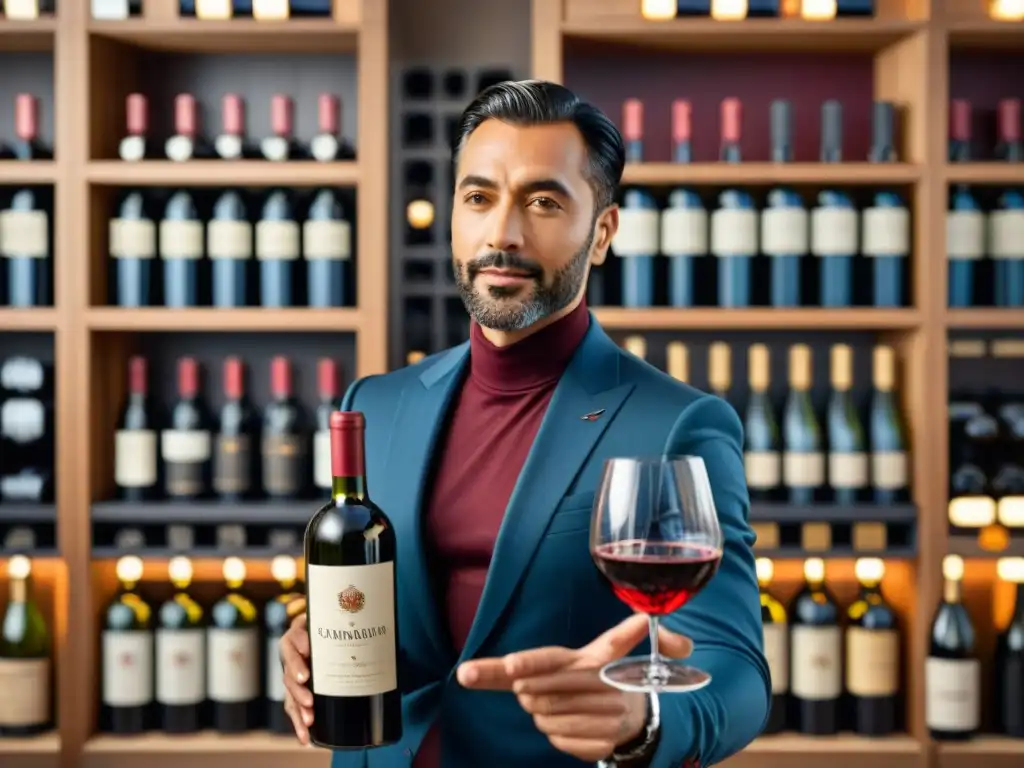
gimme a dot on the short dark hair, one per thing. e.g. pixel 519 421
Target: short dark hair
pixel 538 102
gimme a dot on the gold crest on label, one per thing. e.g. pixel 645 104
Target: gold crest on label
pixel 351 600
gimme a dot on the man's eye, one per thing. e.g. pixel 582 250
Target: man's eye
pixel 474 198
pixel 544 203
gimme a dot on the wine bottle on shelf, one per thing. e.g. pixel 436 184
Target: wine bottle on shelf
pixel 883 133
pixel 1010 147
pixel 965 245
pixel 327 248
pixel 276 619
pixel 180 654
pixel 232 143
pixel 350 552
pixel 229 243
pixel 847 447
pixel 784 239
pixel 816 654
pixel 731 131
pixel 803 462
pixel 277 250
pixel 132 234
pixel 775 625
pixel 889 472
pixel 872 654
pixel 27 10
pixel 115 10
pixel 1009 656
pixel 27 144
pixel 762 459
pixel 181 248
pixel 636 242
pixel 328 144
pixel 186 445
pixel 25 246
pixel 328 388
pixel 1005 228
pixel 1008 478
pixel 733 244
pixel 833 222
pixel 26 430
pixel 677 359
pixel 136 459
pixel 720 369
pixel 684 221
pixel 959 131
pixel 128 671
pixel 234 459
pixel 271 10
pixel 952 708
pixel 25 670
pixel 283 447
pixel 282 146
pixel 187 143
pixel 233 655
pixel 974 452
pixel 831 150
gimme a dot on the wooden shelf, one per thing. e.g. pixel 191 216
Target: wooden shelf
pixel 187 35
pixel 991 751
pixel 341 320
pixel 986 34
pixel 985 319
pixel 766 174
pixel 27 172
pixel 843 751
pixel 21 36
pixel 41 751
pixel 985 173
pixel 206 173
pixel 29 319
pixel 764 318
pixel 204 750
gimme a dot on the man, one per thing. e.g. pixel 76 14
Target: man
pixel 486 457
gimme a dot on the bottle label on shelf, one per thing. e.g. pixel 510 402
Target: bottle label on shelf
pixel 110 10
pixel 127 668
pixel 776 651
pixel 322 459
pixel 22 419
pixel 324 147
pixel 277 240
pixel 228 146
pixel 132 239
pixel 270 10
pixel 1010 511
pixel 179 148
pixel 181 239
pixel 25 684
pixel 817 671
pixel 185 454
pixel 885 232
pixel 734 232
pixel 971 511
pixel 135 458
pixel 131 148
pixel 848 470
pixel 352 629
pixel 803 470
pixel 282 464
pixel 275 672
pixel 872 662
pixel 638 232
pixel 232 464
pixel 784 231
pixel 24 234
pixel 233 664
pixel 180 666
pixel 763 469
pixel 322 239
pixel 833 231
pixel 684 232
pixel 889 470
pixel 1006 234
pixel 274 148
pixel 952 694
pixel 227 239
pixel 965 235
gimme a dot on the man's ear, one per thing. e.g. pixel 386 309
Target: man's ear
pixel 605 228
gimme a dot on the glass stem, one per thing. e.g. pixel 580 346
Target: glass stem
pixel 656 671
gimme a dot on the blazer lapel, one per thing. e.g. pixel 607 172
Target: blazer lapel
pixel 419 420
pixel 584 404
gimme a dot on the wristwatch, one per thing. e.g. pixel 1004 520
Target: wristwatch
pixel 643 745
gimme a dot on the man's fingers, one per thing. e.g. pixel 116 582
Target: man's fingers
pixel 588 750
pixel 597 703
pixel 570 681
pixel 298 635
pixel 301 732
pixel 578 726
pixel 539 661
pixel 302 695
pixel 673 645
pixel 484 675
pixel 296 607
pixel 292 659
pixel 616 642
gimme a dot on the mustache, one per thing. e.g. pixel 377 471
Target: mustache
pixel 504 260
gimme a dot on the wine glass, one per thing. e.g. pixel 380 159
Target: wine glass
pixel 654 535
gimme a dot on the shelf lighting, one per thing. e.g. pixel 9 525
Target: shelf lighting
pixel 818 10
pixel 728 10
pixel 658 10
pixel 1006 10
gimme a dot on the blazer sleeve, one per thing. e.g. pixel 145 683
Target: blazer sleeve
pixel 724 620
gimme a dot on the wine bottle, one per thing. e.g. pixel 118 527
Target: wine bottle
pixel 328 144
pixel 1009 148
pixel 784 239
pixel 872 653
pixel 270 10
pixel 233 654
pixel 775 625
pixel 847 457
pixel 803 463
pixel 733 244
pixel 128 674
pixel 277 249
pixel 636 242
pixel 952 671
pixel 684 222
pixel 25 676
pixel 1005 224
pixel 27 145
pixel 1009 656
pixel 133 248
pixel 180 654
pixel 25 246
pixel 232 143
pixel 959 131
pixel 187 142
pixel 281 146
pixel 974 452
pixel 233 460
pixel 888 441
pixel 327 248
pixel 135 145
pixel 327 387
pixel 185 444
pixel 834 220
pixel 135 442
pixel 350 551
pixel 181 248
pixel 677 361
pixel 885 240
pixel 761 458
pixel 229 243
pixel 965 245
pixel 275 617
pixel 816 654
pixel 283 445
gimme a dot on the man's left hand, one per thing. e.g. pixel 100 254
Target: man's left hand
pixel 560 688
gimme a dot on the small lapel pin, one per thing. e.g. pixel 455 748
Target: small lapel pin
pixel 592 416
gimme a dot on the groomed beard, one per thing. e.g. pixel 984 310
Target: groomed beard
pixel 499 308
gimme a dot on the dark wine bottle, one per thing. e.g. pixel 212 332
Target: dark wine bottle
pixel 803 463
pixel 187 143
pixel 816 654
pixel 234 457
pixel 180 654
pixel 27 145
pixel 328 144
pixel 952 671
pixel 232 143
pixel 1009 147
pixel 847 456
pixel 281 145
pixel 284 436
pixel 1009 657
pixel 136 144
pixel 133 249
pixel 25 673
pixel 350 551
pixel 136 462
pixel 277 250
pixel 25 245
pixel 775 625
pixel 762 458
pixel 872 654
pixel 233 655
pixel 974 453
pixel 328 390
pixel 128 673
pixel 229 244
pixel 888 441
pixel 276 619
pixel 327 248
pixel 181 248
pixel 185 444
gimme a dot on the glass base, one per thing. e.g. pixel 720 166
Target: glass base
pixel 639 675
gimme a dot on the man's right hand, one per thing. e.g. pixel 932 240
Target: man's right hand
pixel 298 699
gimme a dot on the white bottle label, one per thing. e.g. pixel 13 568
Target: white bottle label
pixel 734 232
pixel 352 629
pixel 872 662
pixel 132 239
pixel 213 10
pixel 179 148
pixel 233 664
pixel 1006 234
pixel 322 459
pixel 228 146
pixel 180 666
pixel 952 694
pixel 24 234
pixel 848 470
pixel 185 446
pixel 270 10
pixel 226 239
pixel 965 234
pixel 110 10
pixel 776 651
pixel 274 148
pixel 181 239
pixel 816 663
pixel 684 232
pixel 135 458
pixel 803 470
pixel 25 684
pixel 784 232
pixel 132 148
pixel 277 240
pixel 127 668
pixel 638 232
pixel 889 470
pixel 275 672
pixel 833 232
pixel 324 147
pixel 763 469
pixel 22 10
pixel 886 231
pixel 326 239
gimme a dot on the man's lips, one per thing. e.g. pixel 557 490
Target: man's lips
pixel 506 276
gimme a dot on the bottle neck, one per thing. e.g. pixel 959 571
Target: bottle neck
pixel 353 488
pixel 348 463
pixel 19 590
pixel 951 591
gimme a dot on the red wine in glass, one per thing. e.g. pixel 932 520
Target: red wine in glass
pixel 654 535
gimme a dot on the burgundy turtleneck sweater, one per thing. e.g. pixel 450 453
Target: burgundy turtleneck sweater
pixel 491 429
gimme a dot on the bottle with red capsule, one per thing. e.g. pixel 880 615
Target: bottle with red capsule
pixel 684 222
pixel 1010 148
pixel 232 143
pixel 329 391
pixel 136 144
pixel 281 145
pixel 187 143
pixel 734 225
pixel 284 437
pixel 329 144
pixel 27 144
pixel 233 459
pixel 186 444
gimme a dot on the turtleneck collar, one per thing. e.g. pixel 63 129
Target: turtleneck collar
pixel 539 359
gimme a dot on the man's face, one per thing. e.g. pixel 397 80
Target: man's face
pixel 524 229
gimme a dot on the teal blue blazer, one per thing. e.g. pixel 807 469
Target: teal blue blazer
pixel 542 587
